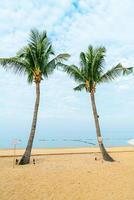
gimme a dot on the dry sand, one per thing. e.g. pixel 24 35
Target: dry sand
pixel 68 177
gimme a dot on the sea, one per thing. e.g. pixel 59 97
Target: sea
pixel 65 142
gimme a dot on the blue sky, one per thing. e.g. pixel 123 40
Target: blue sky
pixel 71 26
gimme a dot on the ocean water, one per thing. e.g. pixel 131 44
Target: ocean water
pixel 61 143
pixel 55 143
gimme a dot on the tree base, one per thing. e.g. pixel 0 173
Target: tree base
pixel 105 154
pixel 24 160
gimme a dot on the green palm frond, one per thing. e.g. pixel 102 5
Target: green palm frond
pixel 49 68
pixel 14 63
pixel 62 57
pixel 80 87
pixel 83 60
pixel 98 61
pixel 52 64
pixel 127 71
pixel 84 64
pixel 74 72
pixel 30 77
pixel 91 69
pixel 114 73
pixel 49 50
pixel 37 55
pixel 34 37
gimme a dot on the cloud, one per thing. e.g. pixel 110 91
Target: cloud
pixel 102 23
pixel 17 18
pixel 72 26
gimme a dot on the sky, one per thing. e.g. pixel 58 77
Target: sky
pixel 71 25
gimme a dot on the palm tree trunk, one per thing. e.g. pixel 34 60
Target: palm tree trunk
pixel 26 157
pixel 105 154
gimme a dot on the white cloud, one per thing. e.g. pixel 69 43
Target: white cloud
pixel 72 28
pixel 104 23
pixel 18 17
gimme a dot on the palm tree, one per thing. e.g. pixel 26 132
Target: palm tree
pixel 37 61
pixel 89 75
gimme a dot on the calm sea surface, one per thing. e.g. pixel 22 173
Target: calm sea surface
pixel 60 143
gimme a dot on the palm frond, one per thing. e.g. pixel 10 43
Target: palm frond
pixel 34 37
pixel 114 73
pixel 52 64
pixel 18 66
pixel 80 87
pixel 127 71
pixel 30 77
pixel 35 56
pixel 62 57
pixel 83 60
pixel 84 64
pixel 74 72
pixel 49 68
pixel 98 60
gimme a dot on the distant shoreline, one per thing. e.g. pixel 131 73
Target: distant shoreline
pixel 63 151
pixel 68 143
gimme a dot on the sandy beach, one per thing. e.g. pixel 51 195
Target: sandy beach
pixel 68 174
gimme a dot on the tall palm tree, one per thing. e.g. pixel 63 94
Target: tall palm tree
pixel 89 75
pixel 37 61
